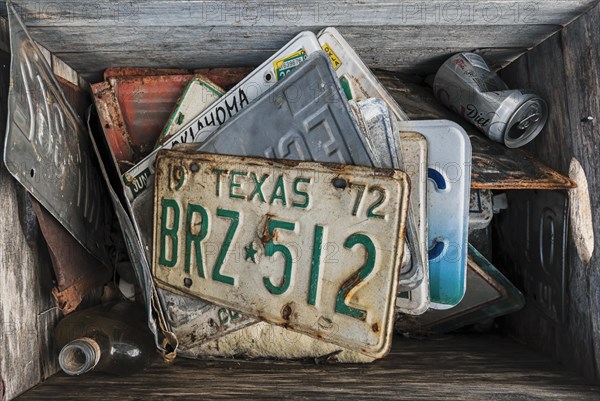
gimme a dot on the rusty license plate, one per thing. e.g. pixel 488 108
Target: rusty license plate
pixel 314 247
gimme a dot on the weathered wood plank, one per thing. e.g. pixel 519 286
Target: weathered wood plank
pixel 191 38
pixel 299 13
pixel 564 70
pixel 192 34
pixel 27 311
pixel 91 65
pixel 439 368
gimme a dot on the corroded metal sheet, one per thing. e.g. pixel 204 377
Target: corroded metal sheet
pixel 250 234
pixel 225 77
pixel 113 125
pixel 146 103
pixel 47 149
pixel 494 165
pixel 77 271
pixel 142 71
pixel 135 103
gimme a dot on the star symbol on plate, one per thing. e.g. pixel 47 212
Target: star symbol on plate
pixel 251 252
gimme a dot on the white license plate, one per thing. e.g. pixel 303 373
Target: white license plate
pixel 314 247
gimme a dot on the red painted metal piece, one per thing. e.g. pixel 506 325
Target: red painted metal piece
pixel 133 109
pixel 111 119
pixel 146 104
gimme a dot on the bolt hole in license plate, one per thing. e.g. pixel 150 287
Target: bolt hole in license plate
pixel 314 247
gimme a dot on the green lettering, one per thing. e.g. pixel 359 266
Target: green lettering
pixel 304 194
pixel 169 233
pixel 361 191
pixel 234 184
pixel 313 284
pixel 271 249
pixel 341 305
pixel 218 172
pixel 223 316
pixel 193 240
pixel 377 203
pixel 235 220
pixel 258 186
pixel 279 192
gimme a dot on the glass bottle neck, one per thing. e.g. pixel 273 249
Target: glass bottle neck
pixel 79 356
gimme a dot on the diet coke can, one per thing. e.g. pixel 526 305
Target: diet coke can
pixel 466 84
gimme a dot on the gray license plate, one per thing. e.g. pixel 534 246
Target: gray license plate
pixel 47 148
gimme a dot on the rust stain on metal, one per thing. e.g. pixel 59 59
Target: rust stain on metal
pixel 111 119
pixel 226 78
pixel 375 327
pixel 494 166
pixel 286 312
pixel 146 102
pixel 77 271
pixel 266 237
pixel 141 71
pixel 135 103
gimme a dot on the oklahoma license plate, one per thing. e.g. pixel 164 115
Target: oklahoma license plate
pixel 315 247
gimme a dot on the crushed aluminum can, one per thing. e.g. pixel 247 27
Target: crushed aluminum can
pixel 254 85
pixel 448 190
pixel 360 84
pixel 494 165
pixel 261 221
pixel 480 209
pixel 467 85
pixel 198 95
pixel 48 151
pixel 490 295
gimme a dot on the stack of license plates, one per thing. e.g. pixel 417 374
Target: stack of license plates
pixel 300 204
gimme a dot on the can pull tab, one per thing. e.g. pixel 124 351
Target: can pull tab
pixel 533 117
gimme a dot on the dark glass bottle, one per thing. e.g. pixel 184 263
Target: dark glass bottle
pixel 112 338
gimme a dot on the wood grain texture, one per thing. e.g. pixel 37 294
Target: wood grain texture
pixel 423 61
pixel 565 71
pixel 268 13
pixel 27 311
pixel 405 36
pixel 438 368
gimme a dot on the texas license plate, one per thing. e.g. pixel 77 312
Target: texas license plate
pixel 314 247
